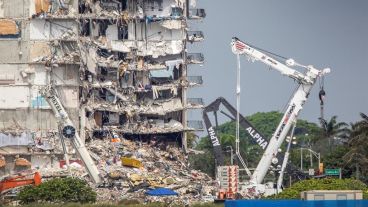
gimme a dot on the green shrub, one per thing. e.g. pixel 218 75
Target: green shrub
pixel 321 184
pixel 58 190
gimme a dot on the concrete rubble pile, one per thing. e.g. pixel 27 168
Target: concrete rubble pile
pixel 162 166
pixel 159 165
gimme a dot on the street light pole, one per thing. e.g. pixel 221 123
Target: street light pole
pixel 231 154
pixel 301 159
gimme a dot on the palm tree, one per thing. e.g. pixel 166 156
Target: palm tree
pixel 333 129
pixel 358 143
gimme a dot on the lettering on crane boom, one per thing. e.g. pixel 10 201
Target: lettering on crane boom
pixel 286 119
pixel 56 103
pixel 257 137
pixel 214 139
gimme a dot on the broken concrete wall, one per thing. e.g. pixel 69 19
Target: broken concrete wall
pixel 41 29
pixel 157 31
pixel 46 8
pixel 14 8
pixel 154 49
pixel 66 75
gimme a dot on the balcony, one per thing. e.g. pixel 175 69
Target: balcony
pixel 195 103
pixel 195 58
pixel 197 14
pixel 195 36
pixel 195 80
pixel 196 125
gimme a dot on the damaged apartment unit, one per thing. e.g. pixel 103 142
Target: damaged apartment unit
pixel 119 67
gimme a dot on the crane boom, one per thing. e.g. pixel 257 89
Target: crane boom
pixel 306 81
pixel 68 131
pixel 257 137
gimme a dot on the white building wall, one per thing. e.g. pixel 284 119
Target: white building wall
pixel 14 97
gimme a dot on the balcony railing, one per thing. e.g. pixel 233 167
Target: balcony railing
pixel 195 102
pixel 195 36
pixel 195 58
pixel 195 124
pixel 195 80
pixel 197 13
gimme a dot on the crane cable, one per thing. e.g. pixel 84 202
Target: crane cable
pixel 321 97
pixel 268 52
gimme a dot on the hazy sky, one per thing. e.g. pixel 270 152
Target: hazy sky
pixel 323 33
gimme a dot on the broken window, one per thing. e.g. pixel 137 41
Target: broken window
pixel 176 12
pixel 7 79
pixel 85 29
pixel 9 28
pixel 197 13
pixel 165 94
pixel 103 24
pixel 126 80
pixel 123 32
pixel 84 7
pixel 152 5
pixel 106 53
pixel 113 5
pixel 107 74
pixel 195 58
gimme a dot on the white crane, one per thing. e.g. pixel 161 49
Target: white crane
pixel 68 131
pixel 285 161
pixel 305 80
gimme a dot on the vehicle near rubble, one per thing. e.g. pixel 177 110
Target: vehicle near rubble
pixel 229 185
pixel 10 186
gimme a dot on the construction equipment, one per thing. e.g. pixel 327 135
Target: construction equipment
pixel 18 181
pixel 305 80
pixel 285 161
pixel 68 131
pixel 257 138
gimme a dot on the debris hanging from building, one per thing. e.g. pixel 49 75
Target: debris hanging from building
pixel 120 68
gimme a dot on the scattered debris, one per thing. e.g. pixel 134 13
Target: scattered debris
pixel 119 68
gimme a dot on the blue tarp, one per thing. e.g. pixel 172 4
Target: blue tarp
pixel 161 192
pixel 296 203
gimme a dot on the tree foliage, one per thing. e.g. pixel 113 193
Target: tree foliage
pixel 322 184
pixel 58 190
pixel 357 154
pixel 340 145
pixel 334 130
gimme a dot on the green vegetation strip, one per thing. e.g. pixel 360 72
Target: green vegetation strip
pixel 321 184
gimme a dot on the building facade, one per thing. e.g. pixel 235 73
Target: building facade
pixel 119 67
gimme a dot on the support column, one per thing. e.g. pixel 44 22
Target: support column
pixel 82 129
pixel 184 101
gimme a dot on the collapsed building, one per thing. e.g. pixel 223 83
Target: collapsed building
pixel 120 68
